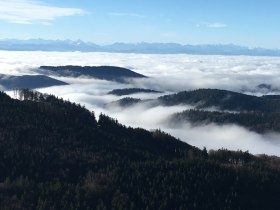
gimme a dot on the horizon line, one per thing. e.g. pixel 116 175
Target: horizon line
pixel 144 42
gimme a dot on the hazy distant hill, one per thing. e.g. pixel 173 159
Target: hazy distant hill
pixel 46 45
pixel 123 103
pixel 143 47
pixel 261 114
pixel 256 121
pixel 111 73
pixel 222 99
pixel 28 81
pixel 129 91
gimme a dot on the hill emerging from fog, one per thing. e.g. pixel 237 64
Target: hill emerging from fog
pixel 9 82
pixel 110 73
pixel 129 91
pixel 222 99
pixel 56 155
pixel 260 114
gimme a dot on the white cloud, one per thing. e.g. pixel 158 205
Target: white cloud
pixel 170 73
pixel 217 25
pixel 33 11
pixel 228 136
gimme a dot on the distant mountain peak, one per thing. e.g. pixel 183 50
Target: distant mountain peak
pixel 141 47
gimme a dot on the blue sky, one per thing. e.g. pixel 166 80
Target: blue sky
pixel 253 23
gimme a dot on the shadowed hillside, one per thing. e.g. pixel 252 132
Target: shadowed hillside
pixel 110 73
pixel 260 114
pixel 129 91
pixel 28 81
pixel 222 99
pixel 55 155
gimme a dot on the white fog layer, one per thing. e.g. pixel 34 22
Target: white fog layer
pixel 167 73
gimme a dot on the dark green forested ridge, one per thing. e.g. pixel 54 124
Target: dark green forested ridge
pixel 255 121
pixel 261 114
pixel 124 102
pixel 272 97
pixel 128 91
pixel 55 155
pixel 223 99
pixel 110 73
pixel 9 82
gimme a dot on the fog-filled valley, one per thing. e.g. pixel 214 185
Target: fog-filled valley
pixel 139 105
pixel 166 74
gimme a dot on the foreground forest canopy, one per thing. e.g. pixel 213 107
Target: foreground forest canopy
pixel 56 155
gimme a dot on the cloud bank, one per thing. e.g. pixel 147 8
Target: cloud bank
pixel 168 73
pixel 33 11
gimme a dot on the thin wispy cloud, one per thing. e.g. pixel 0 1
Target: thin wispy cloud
pixel 125 14
pixel 217 25
pixel 212 25
pixel 33 11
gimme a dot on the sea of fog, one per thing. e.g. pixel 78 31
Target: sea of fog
pixel 167 73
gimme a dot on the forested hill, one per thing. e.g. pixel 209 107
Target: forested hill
pixel 55 155
pixel 10 82
pixel 222 99
pixel 110 73
pixel 129 91
pixel 41 113
pixel 123 103
pixel 259 122
pixel 260 114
